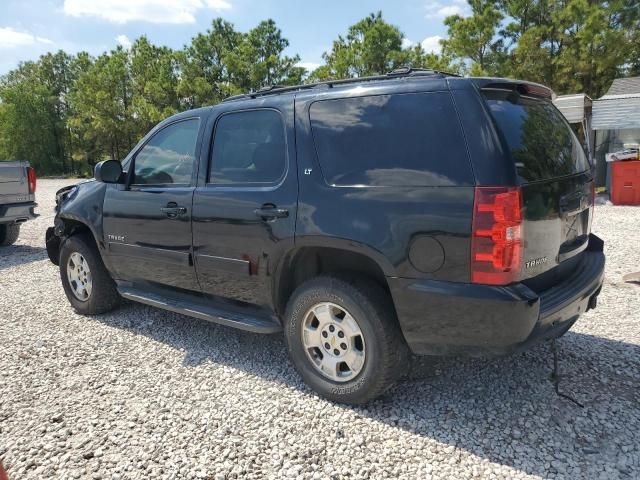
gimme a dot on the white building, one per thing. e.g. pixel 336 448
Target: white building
pixel 616 119
pixel 605 125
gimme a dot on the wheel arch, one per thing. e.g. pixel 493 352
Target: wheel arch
pixel 68 226
pixel 311 258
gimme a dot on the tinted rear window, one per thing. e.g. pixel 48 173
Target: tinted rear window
pixel 390 140
pixel 541 143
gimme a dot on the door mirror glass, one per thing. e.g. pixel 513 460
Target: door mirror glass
pixel 109 171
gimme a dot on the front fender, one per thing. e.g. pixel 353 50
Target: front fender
pixel 78 207
pixel 82 206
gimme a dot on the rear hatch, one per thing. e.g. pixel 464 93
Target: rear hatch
pixel 555 179
pixel 14 187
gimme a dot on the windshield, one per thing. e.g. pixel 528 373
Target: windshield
pixel 541 143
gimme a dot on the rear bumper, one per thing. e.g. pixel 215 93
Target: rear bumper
pixel 444 318
pixel 17 212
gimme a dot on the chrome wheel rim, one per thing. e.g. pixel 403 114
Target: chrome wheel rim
pixel 79 276
pixel 333 342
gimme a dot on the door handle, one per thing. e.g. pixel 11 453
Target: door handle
pixel 172 210
pixel 271 213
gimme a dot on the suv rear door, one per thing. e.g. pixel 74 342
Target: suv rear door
pixel 244 207
pixel 554 175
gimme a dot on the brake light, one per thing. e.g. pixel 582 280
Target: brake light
pixel 31 178
pixel 538 90
pixel 496 241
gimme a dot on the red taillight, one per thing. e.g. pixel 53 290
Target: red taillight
pixel 31 178
pixel 496 241
pixel 539 90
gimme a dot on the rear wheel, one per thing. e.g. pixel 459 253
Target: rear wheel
pixel 9 234
pixel 343 338
pixel 87 283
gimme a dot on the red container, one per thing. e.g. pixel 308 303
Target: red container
pixel 625 182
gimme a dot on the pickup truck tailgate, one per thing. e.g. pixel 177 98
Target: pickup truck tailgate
pixel 14 187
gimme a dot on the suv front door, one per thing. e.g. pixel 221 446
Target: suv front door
pixel 147 223
pixel 244 207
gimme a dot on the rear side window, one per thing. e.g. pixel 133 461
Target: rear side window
pixel 248 148
pixel 390 140
pixel 541 143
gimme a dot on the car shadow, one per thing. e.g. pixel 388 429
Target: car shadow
pixel 15 255
pixel 502 410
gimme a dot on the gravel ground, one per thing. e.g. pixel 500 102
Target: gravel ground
pixel 143 393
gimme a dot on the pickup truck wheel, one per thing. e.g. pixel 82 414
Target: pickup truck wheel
pixel 9 234
pixel 87 283
pixel 343 338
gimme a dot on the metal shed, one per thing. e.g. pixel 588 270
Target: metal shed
pixel 613 112
pixel 616 120
pixel 619 108
pixel 575 107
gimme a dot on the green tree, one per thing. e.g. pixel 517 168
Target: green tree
pixel 58 73
pixel 26 121
pixel 418 58
pixel 205 76
pixel 102 102
pixel 374 47
pixel 628 17
pixel 35 110
pixel 66 112
pixel 574 45
pixel 473 39
pixel 371 47
pixel 154 77
pixel 259 61
pixel 224 62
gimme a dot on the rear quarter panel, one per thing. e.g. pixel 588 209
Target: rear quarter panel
pixel 383 222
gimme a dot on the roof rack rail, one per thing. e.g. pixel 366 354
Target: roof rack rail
pixel 394 74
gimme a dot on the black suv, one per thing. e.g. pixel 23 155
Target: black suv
pixel 413 212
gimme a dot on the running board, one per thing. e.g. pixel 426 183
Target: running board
pixel 184 305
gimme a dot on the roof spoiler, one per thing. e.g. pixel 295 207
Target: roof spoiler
pixel 523 88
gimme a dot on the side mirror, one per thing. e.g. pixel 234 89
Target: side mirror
pixel 108 171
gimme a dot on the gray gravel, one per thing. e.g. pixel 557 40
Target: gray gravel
pixel 142 393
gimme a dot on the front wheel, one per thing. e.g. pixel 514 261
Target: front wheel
pixel 87 283
pixel 343 338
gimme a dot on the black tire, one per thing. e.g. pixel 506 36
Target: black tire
pixel 386 358
pixel 9 234
pixel 104 296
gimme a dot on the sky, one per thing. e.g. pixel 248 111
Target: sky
pixel 29 28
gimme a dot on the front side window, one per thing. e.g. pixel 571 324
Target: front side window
pixel 248 148
pixel 169 157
